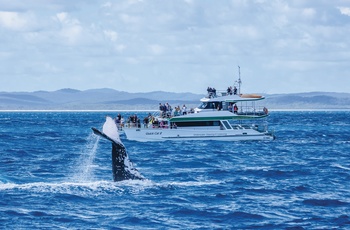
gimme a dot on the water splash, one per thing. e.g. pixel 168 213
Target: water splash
pixel 84 168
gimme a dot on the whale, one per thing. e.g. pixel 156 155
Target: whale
pixel 122 167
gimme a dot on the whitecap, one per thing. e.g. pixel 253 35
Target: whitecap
pixel 340 166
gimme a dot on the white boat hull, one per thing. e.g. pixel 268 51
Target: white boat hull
pixel 158 134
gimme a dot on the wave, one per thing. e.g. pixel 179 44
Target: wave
pixel 325 202
pixel 340 166
pixel 85 189
pixel 96 187
pixel 190 183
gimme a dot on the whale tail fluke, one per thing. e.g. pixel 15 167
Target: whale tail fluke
pixel 122 167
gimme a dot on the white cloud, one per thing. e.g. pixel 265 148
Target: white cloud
pixel 129 19
pixel 111 35
pixel 120 47
pixel 195 41
pixel 12 20
pixel 309 12
pixel 344 10
pixel 107 5
pixel 71 28
pixel 156 49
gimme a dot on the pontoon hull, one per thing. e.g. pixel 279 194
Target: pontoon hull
pixel 146 134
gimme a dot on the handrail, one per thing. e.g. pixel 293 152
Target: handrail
pixel 219 93
pixel 249 110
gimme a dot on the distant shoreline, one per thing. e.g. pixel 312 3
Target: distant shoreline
pixel 113 100
pixel 142 110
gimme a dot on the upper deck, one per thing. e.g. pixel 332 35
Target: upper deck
pixel 223 96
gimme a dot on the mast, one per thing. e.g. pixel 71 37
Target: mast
pixel 239 80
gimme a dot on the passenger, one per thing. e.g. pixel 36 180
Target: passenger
pixel 179 110
pixel 209 92
pixel 138 123
pixel 161 108
pixel 133 120
pixel 184 110
pixel 266 111
pixel 151 119
pixel 234 90
pixel 122 122
pixel 235 109
pixel 145 122
pixel 168 109
pixel 155 123
pixel 164 111
pixel 163 124
pixel 128 122
pixel 176 112
pixel 117 121
pixel 229 90
pixel 230 107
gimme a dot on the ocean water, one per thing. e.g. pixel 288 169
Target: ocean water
pixel 55 174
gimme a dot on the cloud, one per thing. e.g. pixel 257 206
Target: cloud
pixel 196 41
pixel 107 5
pixel 13 20
pixel 156 49
pixel 344 10
pixel 71 28
pixel 309 12
pixel 111 35
pixel 129 19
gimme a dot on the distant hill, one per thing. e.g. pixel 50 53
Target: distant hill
pixel 110 99
pixel 93 99
pixel 312 100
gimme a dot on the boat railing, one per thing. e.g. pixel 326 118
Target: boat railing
pixel 250 110
pixel 218 93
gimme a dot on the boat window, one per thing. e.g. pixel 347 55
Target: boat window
pixel 226 124
pixel 203 105
pixel 210 105
pixel 197 123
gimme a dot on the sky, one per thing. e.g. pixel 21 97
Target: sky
pixel 281 46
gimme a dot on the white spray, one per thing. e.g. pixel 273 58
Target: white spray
pixel 85 164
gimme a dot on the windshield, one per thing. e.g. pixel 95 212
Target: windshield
pixel 202 106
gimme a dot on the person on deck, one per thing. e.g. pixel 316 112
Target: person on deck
pixel 145 122
pixel 184 110
pixel 230 107
pixel 235 109
pixel 161 109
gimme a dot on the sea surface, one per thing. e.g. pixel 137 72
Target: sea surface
pixel 55 174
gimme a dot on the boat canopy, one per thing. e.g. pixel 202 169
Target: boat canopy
pixel 234 98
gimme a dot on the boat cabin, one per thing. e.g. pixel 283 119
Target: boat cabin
pixel 239 104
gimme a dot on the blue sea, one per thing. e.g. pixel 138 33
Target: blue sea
pixel 55 174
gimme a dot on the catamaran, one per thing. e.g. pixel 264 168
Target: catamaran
pixel 223 115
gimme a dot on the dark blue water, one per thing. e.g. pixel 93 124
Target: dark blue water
pixel 55 174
